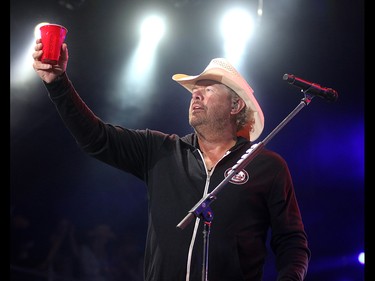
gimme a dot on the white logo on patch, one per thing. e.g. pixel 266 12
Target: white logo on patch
pixel 241 178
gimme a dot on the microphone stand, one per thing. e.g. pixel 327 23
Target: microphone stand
pixel 202 208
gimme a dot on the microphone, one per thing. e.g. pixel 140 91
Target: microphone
pixel 312 88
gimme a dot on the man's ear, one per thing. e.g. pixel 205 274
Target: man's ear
pixel 237 106
pixel 234 105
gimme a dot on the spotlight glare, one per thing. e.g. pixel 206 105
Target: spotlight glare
pixel 361 258
pixel 153 29
pixel 37 29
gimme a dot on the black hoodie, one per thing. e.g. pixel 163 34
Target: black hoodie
pixel 258 199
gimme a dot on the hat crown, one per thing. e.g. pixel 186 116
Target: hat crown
pixel 224 64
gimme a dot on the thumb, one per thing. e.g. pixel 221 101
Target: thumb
pixel 64 55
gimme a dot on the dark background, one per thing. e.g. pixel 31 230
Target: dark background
pixel 320 41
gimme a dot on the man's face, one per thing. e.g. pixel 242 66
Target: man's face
pixel 210 104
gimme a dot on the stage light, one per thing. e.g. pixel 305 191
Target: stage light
pixel 361 258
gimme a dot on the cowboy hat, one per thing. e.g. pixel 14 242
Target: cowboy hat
pixel 221 70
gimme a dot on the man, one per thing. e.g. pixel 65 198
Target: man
pixel 179 171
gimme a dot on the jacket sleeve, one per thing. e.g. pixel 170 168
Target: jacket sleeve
pixel 119 147
pixel 82 123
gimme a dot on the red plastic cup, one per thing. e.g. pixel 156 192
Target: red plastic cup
pixel 52 35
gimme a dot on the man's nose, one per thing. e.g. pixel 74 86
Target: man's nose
pixel 197 93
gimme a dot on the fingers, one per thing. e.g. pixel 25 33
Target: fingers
pixel 38 50
pixel 38 65
pixel 38 44
pixel 37 55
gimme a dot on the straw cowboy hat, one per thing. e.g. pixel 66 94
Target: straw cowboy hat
pixel 221 70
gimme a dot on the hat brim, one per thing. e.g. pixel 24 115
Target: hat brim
pixel 237 84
